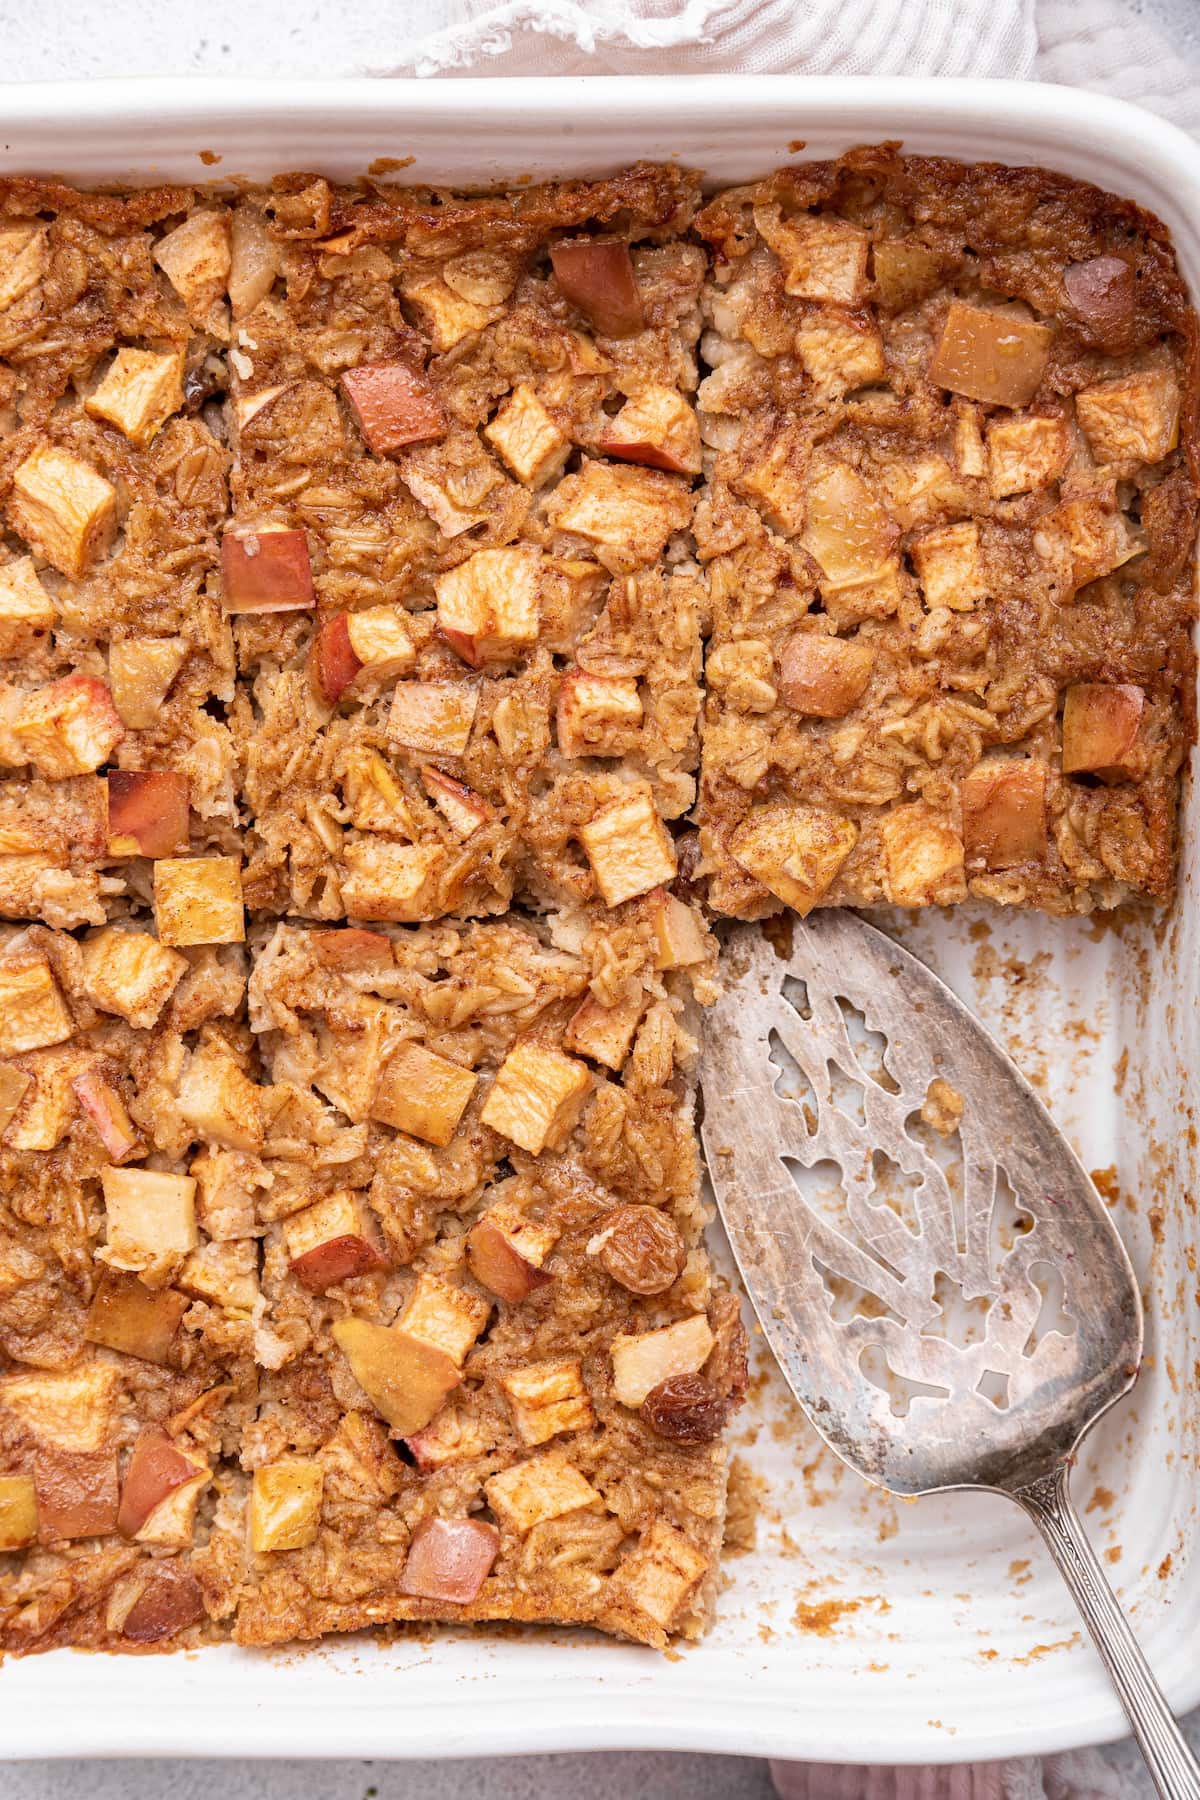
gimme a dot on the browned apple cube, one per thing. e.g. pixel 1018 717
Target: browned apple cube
pixel 139 392
pixel 140 672
pixel 151 1219
pixel 540 1488
pixel 196 260
pixel 381 638
pixel 18 1512
pixel 458 804
pixel 823 676
pixel 24 259
pixel 823 258
pixel 405 1378
pixel 158 1470
pixel 128 1316
pixel 220 1102
pixel 906 272
pixel 527 438
pixel 840 351
pixel 597 715
pixel 1004 812
pixel 64 509
pixel 546 1399
pixel 992 354
pixel 266 571
pixel 1084 539
pixel 794 850
pixel 332 661
pixel 680 932
pixel 596 275
pixel 26 609
pixel 423 1094
pixel 33 1013
pixel 285 1505
pixel 487 607
pixel 68 728
pixel 536 1097
pixel 847 532
pixel 604 1033
pixel 623 508
pixel 450 1559
pixel 327 1244
pixel 77 1493
pixel 923 858
pixel 351 948
pixel 130 973
pixel 447 317
pixel 147 812
pixel 395 405
pixel 1100 728
pixel 14 1085
pixel 352 1054
pixel 433 716
pixel 659 1578
pixel 655 427
pixel 628 847
pixel 71 1409
pixel 506 1251
pixel 1025 454
pixel 950 567
pixel 103 1105
pixel 1131 419
pixel 445 1316
pixel 389 882
pixel 198 900
pixel 642 1360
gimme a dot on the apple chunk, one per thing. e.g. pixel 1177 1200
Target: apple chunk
pixel 405 1378
pixel 823 676
pixel 285 1505
pixel 796 851
pixel 103 1105
pixel 655 427
pixel 171 1599
pixel 77 1493
pixel 395 405
pixel 990 354
pixel 18 1512
pixel 332 661
pixel 326 1243
pixel 128 1316
pixel 156 1469
pixel 596 275
pixel 422 1094
pixel 1100 728
pixel 505 1252
pixel 642 1360
pixel 450 1559
pixel 1004 812
pixel 147 812
pixel 265 572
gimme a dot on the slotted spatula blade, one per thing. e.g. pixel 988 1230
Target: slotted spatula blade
pixel 938 1278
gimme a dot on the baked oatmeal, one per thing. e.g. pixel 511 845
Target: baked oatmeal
pixel 948 532
pixel 360 545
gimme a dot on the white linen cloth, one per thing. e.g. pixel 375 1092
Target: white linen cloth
pixel 1143 50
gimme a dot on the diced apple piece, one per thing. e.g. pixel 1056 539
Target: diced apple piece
pixel 26 609
pixel 449 1560
pixel 604 1033
pixel 351 949
pixel 151 1219
pixel 536 1097
pixel 395 405
pixel 69 1409
pixel 445 1316
pixel 220 1102
pixel 923 858
pixel 660 1576
pixel 454 1436
pixel 543 1487
pixel 140 671
pixel 352 1054
pixel 433 716
pixel 906 272
pixel 171 1600
pixel 33 1013
pixel 266 571
pixel 255 256
pixel 285 1505
pixel 147 812
pixel 1100 728
pixel 840 351
pixel 546 1399
pixel 156 1469
pixel 822 676
pixel 405 1378
pixel 64 509
pixel 644 1359
pixel 487 607
pixel 77 1493
pixel 24 259
pixel 248 407
pixel 796 851
pixel 1086 540
pixel 628 509
pixel 778 482
pixel 823 258
pixel 225 1275
pixel 990 354
pixel 596 714
pixel 390 882
pixel 423 1094
pixel 139 392
pixel 198 900
pixel 527 438
pixel 628 847
pixel 679 930
pixel 18 1512
pixel 130 973
pixel 1103 292
pixel 447 317
pixel 1132 419
pixel 128 1316
pixel 1025 454
pixel 1004 812
pixel 950 567
pixel 46 1113
pixel 106 1109
pixel 381 638
pixel 596 275
pixel 458 804
pixel 656 427
pixel 326 1243
pixel 68 728
pixel 14 1085
pixel 332 661
pixel 505 1252
pixel 196 260
pixel 847 532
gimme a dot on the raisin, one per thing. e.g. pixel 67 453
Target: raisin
pixel 687 1409
pixel 641 1248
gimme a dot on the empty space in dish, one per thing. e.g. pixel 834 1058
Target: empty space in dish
pixel 858 1627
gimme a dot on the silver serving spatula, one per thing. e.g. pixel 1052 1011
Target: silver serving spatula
pixel 941 1284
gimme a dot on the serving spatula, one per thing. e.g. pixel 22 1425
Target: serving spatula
pixel 941 1284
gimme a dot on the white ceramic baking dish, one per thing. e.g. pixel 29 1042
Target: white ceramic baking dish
pixel 858 1630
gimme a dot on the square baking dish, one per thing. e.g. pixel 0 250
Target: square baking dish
pixel 858 1629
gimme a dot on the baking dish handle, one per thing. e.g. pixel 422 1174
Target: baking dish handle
pixel 1175 1770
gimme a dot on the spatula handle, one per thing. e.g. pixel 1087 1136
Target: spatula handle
pixel 1175 1770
